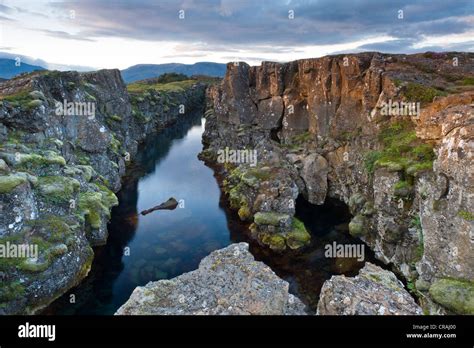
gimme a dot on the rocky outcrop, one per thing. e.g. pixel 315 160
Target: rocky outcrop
pixel 373 292
pixel 349 127
pixel 228 282
pixel 65 140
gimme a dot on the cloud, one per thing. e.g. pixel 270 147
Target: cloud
pixel 65 35
pixel 266 22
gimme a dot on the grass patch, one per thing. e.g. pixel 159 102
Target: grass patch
pixel 416 92
pixel 402 151
pixel 468 81
pixel 176 86
pixel 370 159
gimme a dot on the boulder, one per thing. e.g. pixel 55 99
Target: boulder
pixel 228 282
pixel 374 291
pixel 315 176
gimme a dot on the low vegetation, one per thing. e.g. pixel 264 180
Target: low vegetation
pixel 402 151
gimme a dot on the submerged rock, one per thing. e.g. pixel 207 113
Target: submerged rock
pixel 228 281
pixel 373 292
pixel 170 204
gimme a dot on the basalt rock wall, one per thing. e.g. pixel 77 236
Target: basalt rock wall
pixel 390 135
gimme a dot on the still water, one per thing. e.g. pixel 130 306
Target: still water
pixel 165 244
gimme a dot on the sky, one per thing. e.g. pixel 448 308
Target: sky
pixel 96 34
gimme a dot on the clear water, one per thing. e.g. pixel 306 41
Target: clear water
pixel 165 244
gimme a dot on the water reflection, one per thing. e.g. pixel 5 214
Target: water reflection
pixel 165 243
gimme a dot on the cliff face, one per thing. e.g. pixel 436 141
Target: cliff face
pixel 65 140
pixel 336 127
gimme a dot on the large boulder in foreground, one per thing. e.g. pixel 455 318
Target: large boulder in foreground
pixel 374 291
pixel 228 282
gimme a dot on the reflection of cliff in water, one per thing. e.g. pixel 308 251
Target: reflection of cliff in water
pixel 97 288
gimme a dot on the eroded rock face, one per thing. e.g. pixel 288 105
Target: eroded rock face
pixel 59 171
pixel 373 292
pixel 228 282
pixel 407 178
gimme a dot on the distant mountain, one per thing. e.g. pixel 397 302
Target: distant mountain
pixel 8 69
pixel 146 71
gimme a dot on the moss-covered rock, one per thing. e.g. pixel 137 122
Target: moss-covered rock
pixel 298 236
pixel 454 294
pixel 10 182
pixel 58 189
pixel 271 218
pixel 357 226
pixel 39 160
pixel 244 213
pixel 91 207
pixel 94 205
pixel 274 241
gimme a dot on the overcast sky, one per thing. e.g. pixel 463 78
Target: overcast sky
pixel 121 33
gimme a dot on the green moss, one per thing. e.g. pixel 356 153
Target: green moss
pixel 301 138
pixel 274 241
pixel 11 290
pixel 455 294
pixel 58 189
pixel 468 81
pixel 82 157
pixel 94 205
pixel 468 216
pixel 420 249
pixel 116 118
pixel 35 103
pixel 298 236
pixel 403 189
pixel 176 86
pixel 416 92
pixel 91 207
pixel 56 228
pixel 417 168
pixel 86 171
pixel 244 213
pixel 235 196
pixel 109 199
pixel 370 159
pixel 20 98
pixel 115 144
pixel 270 218
pixel 9 182
pixel 357 226
pixel 402 150
pixel 30 161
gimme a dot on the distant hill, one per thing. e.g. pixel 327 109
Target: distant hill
pixel 8 69
pixel 146 71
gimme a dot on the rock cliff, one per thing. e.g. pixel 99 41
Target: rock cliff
pixel 65 140
pixel 389 135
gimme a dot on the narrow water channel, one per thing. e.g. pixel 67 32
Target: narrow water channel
pixel 165 244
